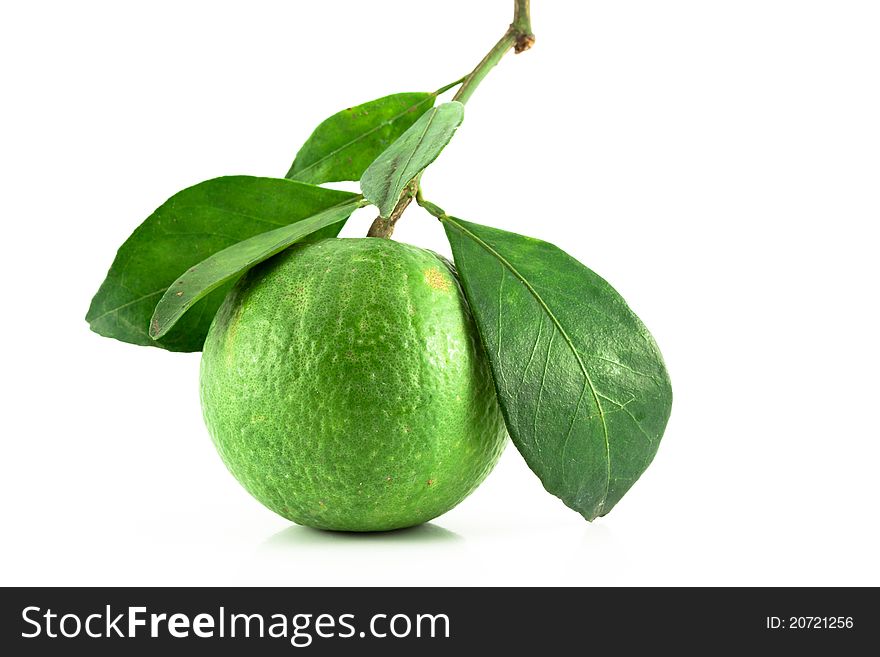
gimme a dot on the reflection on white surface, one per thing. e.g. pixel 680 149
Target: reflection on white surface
pixel 296 537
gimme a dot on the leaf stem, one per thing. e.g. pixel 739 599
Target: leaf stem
pixel 518 36
pixel 431 208
pixel 449 86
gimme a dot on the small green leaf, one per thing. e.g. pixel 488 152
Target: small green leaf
pixel 188 228
pixel 342 147
pixel 230 263
pixel 581 382
pixel 385 179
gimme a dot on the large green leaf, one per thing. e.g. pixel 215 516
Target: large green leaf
pixel 385 179
pixel 342 147
pixel 192 225
pixel 581 383
pixel 230 263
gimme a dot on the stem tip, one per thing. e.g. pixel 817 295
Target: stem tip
pixel 523 43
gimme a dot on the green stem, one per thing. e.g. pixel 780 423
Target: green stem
pixel 449 86
pixel 518 36
pixel 433 209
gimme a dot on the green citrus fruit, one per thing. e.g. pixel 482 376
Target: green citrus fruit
pixel 345 386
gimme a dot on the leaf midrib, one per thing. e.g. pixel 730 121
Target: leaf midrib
pixel 363 135
pixel 278 246
pixel 126 305
pixel 513 270
pixel 412 154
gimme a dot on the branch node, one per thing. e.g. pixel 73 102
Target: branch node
pixel 523 43
pixel 384 227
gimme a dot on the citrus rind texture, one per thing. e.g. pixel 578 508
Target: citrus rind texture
pixel 344 385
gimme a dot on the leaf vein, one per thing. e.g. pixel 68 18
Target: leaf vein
pixel 626 367
pixel 568 341
pixel 419 142
pixel 541 387
pixel 565 442
pixel 623 407
pixel 362 136
pixel 532 355
pixel 126 305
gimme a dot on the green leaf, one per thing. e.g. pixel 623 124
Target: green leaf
pixel 230 263
pixel 191 226
pixel 581 383
pixel 342 147
pixel 385 179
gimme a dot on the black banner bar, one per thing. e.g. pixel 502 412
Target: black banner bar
pixel 114 621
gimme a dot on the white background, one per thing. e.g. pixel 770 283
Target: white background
pixel 718 162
